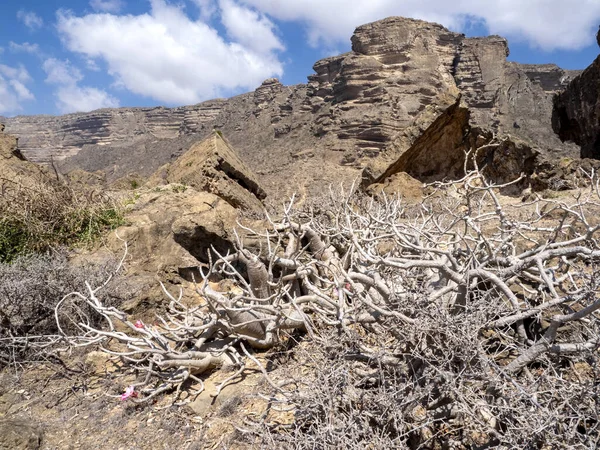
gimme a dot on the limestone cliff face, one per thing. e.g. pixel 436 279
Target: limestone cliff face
pixel 62 136
pixel 408 87
pixel 576 115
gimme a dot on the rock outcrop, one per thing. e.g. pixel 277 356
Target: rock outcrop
pixel 411 96
pixel 170 231
pixel 576 114
pixel 14 168
pixel 213 166
pixel 64 136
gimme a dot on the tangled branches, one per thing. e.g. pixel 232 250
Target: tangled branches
pixel 470 321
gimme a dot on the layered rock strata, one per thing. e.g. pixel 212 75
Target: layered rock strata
pixel 411 96
pixel 213 166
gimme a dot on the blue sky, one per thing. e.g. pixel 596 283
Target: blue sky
pixel 61 56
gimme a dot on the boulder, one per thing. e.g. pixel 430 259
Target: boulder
pixel 171 228
pixel 213 166
pixel 402 184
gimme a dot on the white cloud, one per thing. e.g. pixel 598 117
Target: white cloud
pixel 25 47
pixel 167 56
pixel 15 73
pixel 83 98
pixel 22 92
pixel 12 88
pixel 111 6
pixel 245 25
pixel 208 8
pixel 70 96
pixel 30 19
pixel 549 24
pixel 61 72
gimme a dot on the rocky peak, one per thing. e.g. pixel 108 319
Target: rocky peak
pixel 267 91
pixel 408 87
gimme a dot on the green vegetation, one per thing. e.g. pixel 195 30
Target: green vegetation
pixel 45 215
pixel 179 188
pixel 134 184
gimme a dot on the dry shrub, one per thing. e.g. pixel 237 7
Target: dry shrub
pixel 31 287
pixel 469 323
pixel 40 213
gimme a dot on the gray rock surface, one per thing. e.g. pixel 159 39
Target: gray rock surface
pixel 576 115
pixel 407 87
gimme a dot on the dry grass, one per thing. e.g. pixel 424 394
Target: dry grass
pixel 42 213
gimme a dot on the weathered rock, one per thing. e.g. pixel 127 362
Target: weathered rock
pixel 172 228
pixel 576 114
pixel 19 434
pixel 14 169
pixel 213 166
pixel 63 136
pixel 400 183
pixel 362 109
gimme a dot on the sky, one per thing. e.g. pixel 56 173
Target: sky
pixel 63 56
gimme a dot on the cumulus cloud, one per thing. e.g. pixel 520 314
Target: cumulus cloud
pixel 12 88
pixel 25 47
pixel 70 96
pixel 112 6
pixel 30 19
pixel 169 57
pixel 208 8
pixel 548 24
pixel 245 25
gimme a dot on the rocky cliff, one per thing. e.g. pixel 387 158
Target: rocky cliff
pixel 411 96
pixel 576 115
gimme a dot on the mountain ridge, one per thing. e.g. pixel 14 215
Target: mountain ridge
pixel 361 110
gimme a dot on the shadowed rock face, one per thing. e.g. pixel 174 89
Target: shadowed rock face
pixel 576 115
pixel 403 87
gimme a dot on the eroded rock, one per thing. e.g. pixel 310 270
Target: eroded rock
pixel 170 228
pixel 576 114
pixel 213 166
pixel 363 109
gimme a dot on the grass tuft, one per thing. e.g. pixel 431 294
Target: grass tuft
pixel 44 214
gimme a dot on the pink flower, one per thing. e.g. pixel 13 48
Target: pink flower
pixel 129 392
pixel 138 324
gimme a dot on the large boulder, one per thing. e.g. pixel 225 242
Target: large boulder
pixel 172 228
pixel 212 165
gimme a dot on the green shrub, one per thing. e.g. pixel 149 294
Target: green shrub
pixel 47 214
